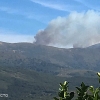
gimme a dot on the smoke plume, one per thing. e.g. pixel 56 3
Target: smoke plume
pixel 75 30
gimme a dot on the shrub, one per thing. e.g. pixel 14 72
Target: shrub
pixel 83 92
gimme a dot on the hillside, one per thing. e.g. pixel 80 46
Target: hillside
pixel 26 84
pixel 29 71
pixel 28 54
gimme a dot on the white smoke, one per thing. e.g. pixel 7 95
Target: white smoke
pixel 75 30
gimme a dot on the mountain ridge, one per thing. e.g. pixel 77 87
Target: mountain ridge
pixel 29 53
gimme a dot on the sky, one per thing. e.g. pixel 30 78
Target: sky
pixel 22 20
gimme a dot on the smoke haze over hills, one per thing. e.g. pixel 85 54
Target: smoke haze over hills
pixel 75 30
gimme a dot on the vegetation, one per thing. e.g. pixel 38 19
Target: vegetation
pixel 27 84
pixel 32 72
pixel 25 54
pixel 84 92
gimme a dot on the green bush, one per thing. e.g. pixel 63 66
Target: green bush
pixel 83 92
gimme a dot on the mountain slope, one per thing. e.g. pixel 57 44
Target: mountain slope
pixel 29 71
pixel 20 83
pixel 76 58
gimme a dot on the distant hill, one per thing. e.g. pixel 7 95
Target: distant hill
pixel 28 54
pixel 33 72
pixel 26 84
pixel 95 46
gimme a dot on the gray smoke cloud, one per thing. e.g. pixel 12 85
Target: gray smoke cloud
pixel 75 30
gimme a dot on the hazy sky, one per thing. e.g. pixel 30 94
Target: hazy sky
pixel 20 20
